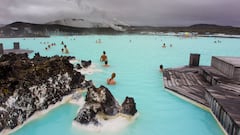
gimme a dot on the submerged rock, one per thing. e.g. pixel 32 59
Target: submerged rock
pixel 101 101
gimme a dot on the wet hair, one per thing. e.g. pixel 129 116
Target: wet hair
pixel 161 66
pixel 106 62
pixel 104 52
pixel 113 75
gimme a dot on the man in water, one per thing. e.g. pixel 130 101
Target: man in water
pixel 103 58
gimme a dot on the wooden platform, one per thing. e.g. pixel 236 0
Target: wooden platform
pixel 210 87
pixel 230 66
pixel 17 51
pixel 187 82
pixel 228 96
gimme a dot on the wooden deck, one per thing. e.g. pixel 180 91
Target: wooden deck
pixel 228 96
pixel 187 82
pixel 199 83
pixel 230 66
pixel 17 51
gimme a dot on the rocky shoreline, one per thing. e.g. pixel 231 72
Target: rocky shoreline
pixel 32 85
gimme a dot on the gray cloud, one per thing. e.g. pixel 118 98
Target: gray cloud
pixel 135 12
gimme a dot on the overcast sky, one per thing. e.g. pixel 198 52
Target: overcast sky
pixel 132 12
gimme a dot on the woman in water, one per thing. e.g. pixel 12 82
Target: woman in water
pixel 111 81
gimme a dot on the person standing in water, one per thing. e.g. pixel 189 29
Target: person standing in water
pixel 161 68
pixel 111 81
pixel 103 58
pixel 66 49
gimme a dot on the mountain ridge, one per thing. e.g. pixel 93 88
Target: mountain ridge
pixel 25 29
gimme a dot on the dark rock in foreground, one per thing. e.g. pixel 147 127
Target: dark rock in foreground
pixel 100 100
pixel 85 63
pixel 30 85
pixel 129 106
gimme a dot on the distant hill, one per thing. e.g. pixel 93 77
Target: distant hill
pixel 211 28
pixel 22 29
pixel 207 26
pixel 83 27
pixel 197 28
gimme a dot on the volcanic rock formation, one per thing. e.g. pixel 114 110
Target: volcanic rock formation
pixel 30 85
pixel 101 101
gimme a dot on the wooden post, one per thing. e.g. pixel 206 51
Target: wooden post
pixel 16 45
pixel 1 48
pixel 194 60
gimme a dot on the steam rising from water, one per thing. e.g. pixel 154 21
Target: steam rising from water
pixel 88 10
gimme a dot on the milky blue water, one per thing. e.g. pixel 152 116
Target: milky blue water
pixel 135 59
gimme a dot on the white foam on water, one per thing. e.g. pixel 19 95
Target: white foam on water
pixel 37 115
pixel 80 102
pixel 78 98
pixel 74 61
pixel 108 124
pixel 90 70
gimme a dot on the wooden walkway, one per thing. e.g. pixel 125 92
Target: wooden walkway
pixel 200 83
pixel 228 96
pixel 187 82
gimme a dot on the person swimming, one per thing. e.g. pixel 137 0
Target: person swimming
pixel 164 45
pixel 98 41
pixel 111 81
